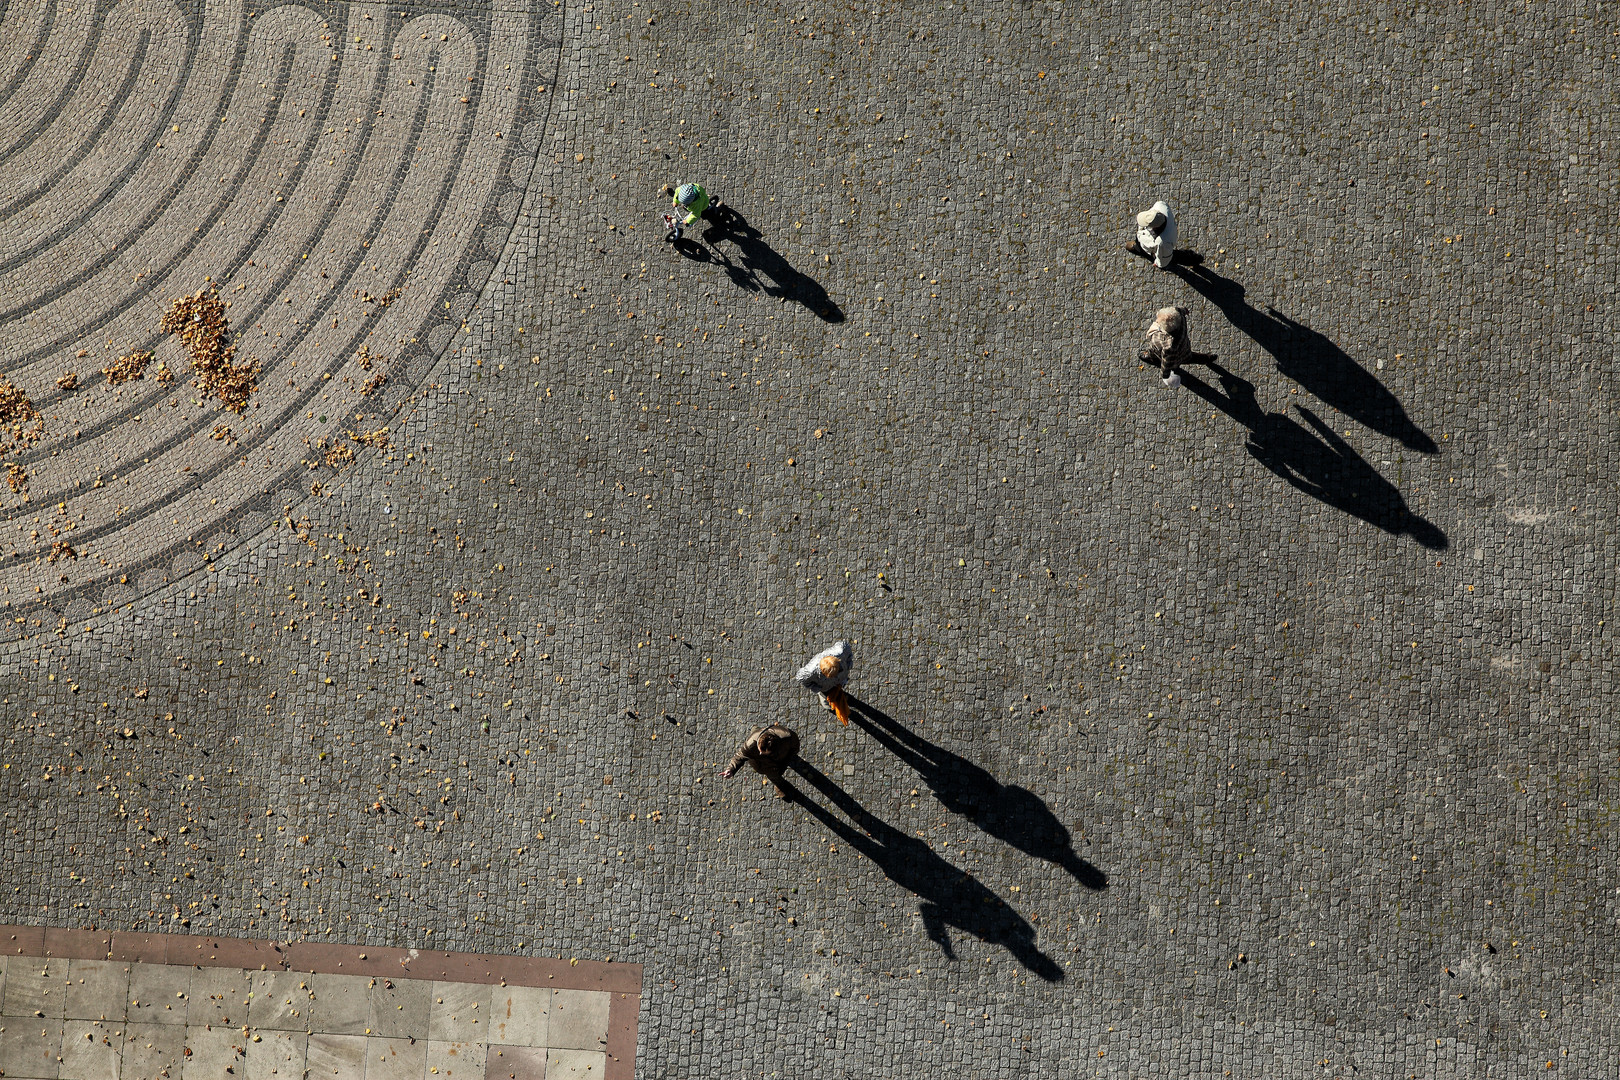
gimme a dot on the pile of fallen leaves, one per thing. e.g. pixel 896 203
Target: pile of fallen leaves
pixel 124 368
pixel 21 426
pixel 378 439
pixel 199 322
pixel 338 452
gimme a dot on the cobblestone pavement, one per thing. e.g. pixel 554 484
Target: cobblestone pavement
pixel 1307 660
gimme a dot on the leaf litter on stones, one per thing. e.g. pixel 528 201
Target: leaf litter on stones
pixel 199 322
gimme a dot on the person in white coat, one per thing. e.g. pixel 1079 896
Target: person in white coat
pixel 1155 235
pixel 827 674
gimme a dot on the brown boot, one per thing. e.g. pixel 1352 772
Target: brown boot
pixel 1136 249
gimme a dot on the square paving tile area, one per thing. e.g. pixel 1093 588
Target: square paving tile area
pixel 99 1019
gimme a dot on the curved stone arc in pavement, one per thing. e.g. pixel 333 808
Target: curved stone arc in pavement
pixel 330 179
pixel 52 60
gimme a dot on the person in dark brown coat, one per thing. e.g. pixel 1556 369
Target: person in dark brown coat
pixel 768 750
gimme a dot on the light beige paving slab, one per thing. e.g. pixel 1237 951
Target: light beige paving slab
pixel 219 997
pixel 398 1008
pixel 152 1051
pixel 395 1059
pixel 520 1015
pixel 35 986
pixel 97 990
pixel 515 1063
pixel 575 1065
pixel 29 1046
pixel 456 1060
pixel 276 1055
pixel 336 1056
pixel 342 1003
pixel 158 994
pixel 89 1051
pixel 214 1052
pixel 282 1000
pixel 578 1020
pixel 459 1012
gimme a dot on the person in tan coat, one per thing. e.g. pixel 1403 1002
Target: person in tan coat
pixel 768 750
pixel 1169 346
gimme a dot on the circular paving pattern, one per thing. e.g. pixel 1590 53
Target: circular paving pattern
pixel 340 179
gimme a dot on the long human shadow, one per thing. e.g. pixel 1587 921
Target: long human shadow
pixel 1014 815
pixel 1315 460
pixel 1310 359
pixel 948 896
pixel 759 267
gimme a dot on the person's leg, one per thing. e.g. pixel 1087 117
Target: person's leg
pixel 838 701
pixel 773 773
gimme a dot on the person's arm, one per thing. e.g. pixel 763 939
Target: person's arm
pixel 1167 240
pixel 744 754
pixel 1154 350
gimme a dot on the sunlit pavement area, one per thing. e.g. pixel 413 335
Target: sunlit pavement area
pixel 1261 726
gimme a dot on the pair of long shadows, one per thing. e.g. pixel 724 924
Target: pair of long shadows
pixel 758 267
pixel 1310 456
pixel 1315 460
pixel 949 896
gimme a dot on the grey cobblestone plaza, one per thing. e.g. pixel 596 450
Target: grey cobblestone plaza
pixel 1258 728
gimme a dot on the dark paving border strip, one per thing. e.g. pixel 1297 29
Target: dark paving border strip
pixel 622 980
pixel 624 1011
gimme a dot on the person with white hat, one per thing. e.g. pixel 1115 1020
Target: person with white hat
pixel 1155 235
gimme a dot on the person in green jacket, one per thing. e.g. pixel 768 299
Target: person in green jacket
pixel 690 202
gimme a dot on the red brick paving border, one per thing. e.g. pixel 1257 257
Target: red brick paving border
pixel 622 981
